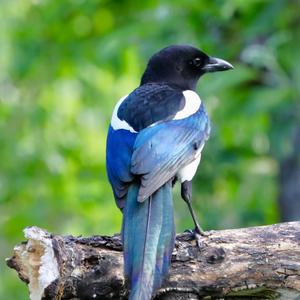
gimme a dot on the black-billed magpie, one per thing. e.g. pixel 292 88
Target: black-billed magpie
pixel 156 136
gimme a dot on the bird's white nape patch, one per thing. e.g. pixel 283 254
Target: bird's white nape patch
pixel 188 172
pixel 116 123
pixel 192 104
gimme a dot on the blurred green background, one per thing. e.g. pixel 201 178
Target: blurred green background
pixel 64 65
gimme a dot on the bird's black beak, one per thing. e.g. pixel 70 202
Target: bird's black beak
pixel 216 64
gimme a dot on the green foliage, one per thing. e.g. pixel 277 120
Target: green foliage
pixel 63 66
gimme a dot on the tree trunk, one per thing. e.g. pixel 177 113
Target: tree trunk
pixel 254 263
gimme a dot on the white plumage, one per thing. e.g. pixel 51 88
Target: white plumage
pixel 192 104
pixel 188 172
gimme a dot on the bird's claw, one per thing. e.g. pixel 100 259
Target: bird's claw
pixel 199 240
pixel 198 230
pixel 198 234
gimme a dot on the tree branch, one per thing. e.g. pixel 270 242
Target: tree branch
pixel 261 262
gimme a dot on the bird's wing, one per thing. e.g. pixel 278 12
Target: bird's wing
pixel 162 150
pixel 148 104
pixel 119 146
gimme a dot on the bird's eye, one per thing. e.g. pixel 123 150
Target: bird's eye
pixel 197 62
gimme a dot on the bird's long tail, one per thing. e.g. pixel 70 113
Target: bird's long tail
pixel 148 240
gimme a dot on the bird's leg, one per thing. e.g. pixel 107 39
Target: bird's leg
pixel 186 194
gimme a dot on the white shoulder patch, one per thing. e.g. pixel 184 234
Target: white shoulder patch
pixel 192 104
pixel 116 123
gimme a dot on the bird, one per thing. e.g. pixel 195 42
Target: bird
pixel 155 139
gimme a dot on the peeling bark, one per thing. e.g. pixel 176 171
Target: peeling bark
pixel 254 263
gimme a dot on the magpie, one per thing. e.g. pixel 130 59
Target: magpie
pixel 155 138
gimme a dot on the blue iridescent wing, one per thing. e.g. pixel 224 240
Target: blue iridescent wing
pixel 161 151
pixel 119 147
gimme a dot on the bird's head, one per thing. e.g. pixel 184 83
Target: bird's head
pixel 181 66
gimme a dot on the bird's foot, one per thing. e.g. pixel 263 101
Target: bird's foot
pixel 199 235
pixel 198 230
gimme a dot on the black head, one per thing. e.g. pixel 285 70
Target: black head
pixel 181 66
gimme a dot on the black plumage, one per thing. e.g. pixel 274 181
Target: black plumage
pixel 150 103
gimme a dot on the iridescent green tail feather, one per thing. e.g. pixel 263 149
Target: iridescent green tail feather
pixel 148 240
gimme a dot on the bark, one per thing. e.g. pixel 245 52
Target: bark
pixel 254 263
